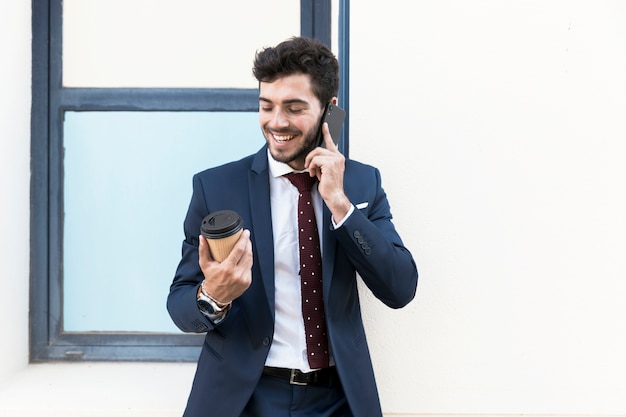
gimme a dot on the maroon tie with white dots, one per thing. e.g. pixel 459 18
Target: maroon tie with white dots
pixel 310 273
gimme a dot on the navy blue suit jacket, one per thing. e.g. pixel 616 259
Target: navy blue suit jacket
pixel 234 351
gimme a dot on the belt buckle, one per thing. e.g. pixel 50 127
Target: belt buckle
pixel 292 377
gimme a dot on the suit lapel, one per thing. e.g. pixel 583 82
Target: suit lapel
pixel 262 239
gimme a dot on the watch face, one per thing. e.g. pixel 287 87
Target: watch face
pixel 206 307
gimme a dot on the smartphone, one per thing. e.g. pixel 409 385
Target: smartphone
pixel 334 116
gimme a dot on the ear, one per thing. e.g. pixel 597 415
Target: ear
pixel 334 100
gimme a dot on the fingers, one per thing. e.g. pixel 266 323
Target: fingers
pixel 204 252
pixel 328 139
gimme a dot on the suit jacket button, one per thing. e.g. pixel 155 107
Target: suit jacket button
pixel 357 234
pixel 266 341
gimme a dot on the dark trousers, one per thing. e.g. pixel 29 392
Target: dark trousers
pixel 275 397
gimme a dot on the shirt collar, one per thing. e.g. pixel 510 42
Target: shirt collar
pixel 278 169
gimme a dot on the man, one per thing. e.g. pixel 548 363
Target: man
pixel 255 360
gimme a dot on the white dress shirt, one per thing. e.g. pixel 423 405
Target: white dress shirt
pixel 288 348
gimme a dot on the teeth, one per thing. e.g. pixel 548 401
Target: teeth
pixel 283 138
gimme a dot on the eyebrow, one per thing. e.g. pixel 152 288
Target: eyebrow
pixel 290 101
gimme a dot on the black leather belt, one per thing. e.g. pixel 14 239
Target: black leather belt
pixel 296 377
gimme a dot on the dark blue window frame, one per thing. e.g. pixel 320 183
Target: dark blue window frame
pixel 50 100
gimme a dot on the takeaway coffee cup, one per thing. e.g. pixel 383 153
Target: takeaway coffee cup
pixel 221 229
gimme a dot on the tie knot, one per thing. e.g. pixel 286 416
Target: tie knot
pixel 303 181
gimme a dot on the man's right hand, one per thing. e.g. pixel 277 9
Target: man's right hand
pixel 227 280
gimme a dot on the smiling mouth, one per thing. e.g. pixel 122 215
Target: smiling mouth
pixel 283 138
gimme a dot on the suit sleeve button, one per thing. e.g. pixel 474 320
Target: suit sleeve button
pixel 266 341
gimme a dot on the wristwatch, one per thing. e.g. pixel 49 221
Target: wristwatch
pixel 209 305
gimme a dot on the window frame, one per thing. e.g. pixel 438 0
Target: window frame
pixel 50 101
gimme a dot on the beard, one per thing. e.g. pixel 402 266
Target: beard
pixel 309 143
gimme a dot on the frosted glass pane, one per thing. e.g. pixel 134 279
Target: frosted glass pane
pixel 165 43
pixel 127 187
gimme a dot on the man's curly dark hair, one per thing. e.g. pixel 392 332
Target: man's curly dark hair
pixel 300 55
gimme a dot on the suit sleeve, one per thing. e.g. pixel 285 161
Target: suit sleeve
pixel 181 301
pixel 371 242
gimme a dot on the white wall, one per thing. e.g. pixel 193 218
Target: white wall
pixel 510 115
pixel 15 43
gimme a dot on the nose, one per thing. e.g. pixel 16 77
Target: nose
pixel 279 120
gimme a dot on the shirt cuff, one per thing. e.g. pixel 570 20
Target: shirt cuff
pixel 339 224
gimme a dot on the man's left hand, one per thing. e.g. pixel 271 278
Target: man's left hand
pixel 328 165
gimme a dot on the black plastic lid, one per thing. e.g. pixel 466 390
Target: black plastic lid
pixel 221 224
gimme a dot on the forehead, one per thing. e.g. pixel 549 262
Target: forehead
pixel 288 88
